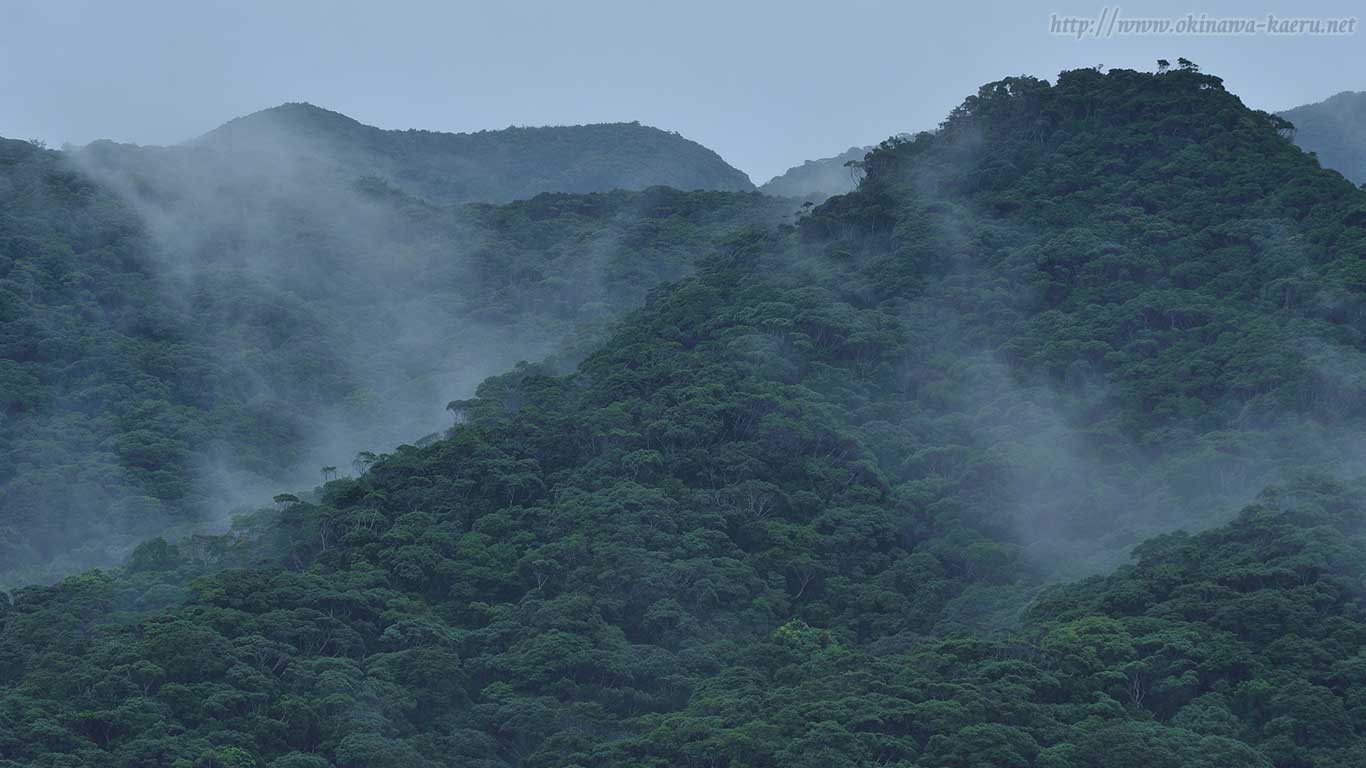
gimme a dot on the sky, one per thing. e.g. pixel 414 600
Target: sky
pixel 765 84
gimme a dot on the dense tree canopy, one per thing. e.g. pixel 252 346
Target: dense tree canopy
pixel 168 346
pixel 811 503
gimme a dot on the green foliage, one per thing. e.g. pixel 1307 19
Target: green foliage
pixel 139 388
pixel 807 505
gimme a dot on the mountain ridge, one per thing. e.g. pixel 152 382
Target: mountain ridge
pixel 816 180
pixel 1335 130
pixel 493 165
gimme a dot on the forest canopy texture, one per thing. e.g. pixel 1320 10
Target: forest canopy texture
pixel 1036 450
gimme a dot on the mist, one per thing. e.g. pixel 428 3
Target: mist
pixel 346 313
pixel 1042 439
pixel 321 312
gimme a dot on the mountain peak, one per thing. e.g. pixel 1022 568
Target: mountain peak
pixel 487 166
pixel 293 116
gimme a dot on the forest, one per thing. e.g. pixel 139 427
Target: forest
pixel 173 353
pixel 1040 448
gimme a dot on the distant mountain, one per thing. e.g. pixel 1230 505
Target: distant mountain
pixel 488 166
pixel 816 180
pixel 1335 129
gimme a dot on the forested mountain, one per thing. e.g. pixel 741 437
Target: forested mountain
pixel 1335 130
pixel 181 334
pixel 802 508
pixel 816 180
pixel 488 166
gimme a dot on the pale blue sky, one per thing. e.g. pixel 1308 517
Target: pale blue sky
pixel 766 84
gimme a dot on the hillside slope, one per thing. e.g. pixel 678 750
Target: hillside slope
pixel 816 180
pixel 801 508
pixel 180 336
pixel 488 166
pixel 1335 130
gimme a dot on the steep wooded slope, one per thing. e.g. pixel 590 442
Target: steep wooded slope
pixel 174 343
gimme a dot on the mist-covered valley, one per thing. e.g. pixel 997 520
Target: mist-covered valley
pixel 1034 440
pixel 241 312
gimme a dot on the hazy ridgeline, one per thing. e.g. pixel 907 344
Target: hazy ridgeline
pixel 492 166
pixel 816 180
pixel 272 311
pixel 1335 130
